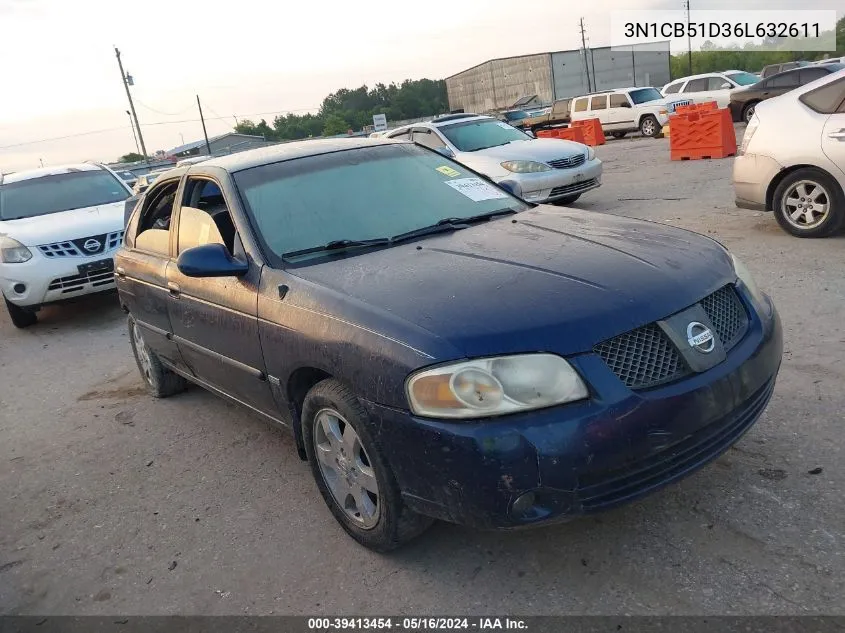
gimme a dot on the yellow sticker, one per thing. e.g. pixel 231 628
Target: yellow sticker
pixel 448 171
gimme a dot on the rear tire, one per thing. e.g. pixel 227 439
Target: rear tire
pixel 618 134
pixel 809 203
pixel 566 200
pixel 351 472
pixel 649 126
pixel 21 317
pixel 160 381
pixel 748 111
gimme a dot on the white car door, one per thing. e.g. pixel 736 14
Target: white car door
pixel 599 110
pixel 719 90
pixel 696 90
pixel 620 113
pixel 833 132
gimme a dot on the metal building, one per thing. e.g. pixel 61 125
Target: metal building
pixel 228 143
pixel 498 83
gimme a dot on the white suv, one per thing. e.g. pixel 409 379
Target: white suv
pixel 710 86
pixel 624 110
pixel 59 228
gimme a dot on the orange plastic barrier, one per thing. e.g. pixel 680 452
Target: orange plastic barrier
pixel 707 133
pixel 593 134
pixel 707 106
pixel 567 133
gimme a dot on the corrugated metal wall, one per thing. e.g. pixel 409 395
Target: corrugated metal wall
pixel 497 84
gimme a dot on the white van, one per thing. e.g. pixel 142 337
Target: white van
pixel 624 110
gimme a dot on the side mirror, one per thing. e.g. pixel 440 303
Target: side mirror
pixel 625 105
pixel 210 260
pixel 445 151
pixel 726 86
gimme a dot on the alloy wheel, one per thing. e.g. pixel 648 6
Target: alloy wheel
pixel 806 204
pixel 143 354
pixel 648 127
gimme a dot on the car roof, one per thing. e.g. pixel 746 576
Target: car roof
pixel 29 174
pixel 288 151
pixel 613 91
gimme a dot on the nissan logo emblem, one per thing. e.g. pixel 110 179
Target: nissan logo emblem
pixel 700 337
pixel 91 245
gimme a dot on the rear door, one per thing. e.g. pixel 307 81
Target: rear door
pixel 830 98
pixel 696 90
pixel 141 269
pixel 598 110
pixel 215 323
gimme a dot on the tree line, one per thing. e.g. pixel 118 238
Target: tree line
pixel 353 109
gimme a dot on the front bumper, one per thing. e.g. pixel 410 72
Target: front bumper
pixel 752 174
pixel 583 457
pixel 53 279
pixel 548 186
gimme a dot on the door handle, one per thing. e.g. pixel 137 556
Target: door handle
pixel 120 272
pixel 840 135
pixel 173 289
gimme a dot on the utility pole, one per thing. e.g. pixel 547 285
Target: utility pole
pixel 131 105
pixel 204 133
pixel 584 48
pixel 689 42
pixel 135 136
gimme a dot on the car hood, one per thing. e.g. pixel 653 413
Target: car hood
pixel 560 280
pixel 541 149
pixel 66 225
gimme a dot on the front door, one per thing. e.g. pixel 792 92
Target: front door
pixel 215 323
pixel 620 114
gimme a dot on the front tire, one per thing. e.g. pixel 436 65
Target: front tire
pixel 21 317
pixel 566 200
pixel 809 203
pixel 649 126
pixel 748 111
pixel 351 472
pixel 160 381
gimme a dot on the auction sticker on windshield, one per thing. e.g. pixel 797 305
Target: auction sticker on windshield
pixel 476 189
pixel 448 171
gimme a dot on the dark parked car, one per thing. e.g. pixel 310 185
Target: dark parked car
pixel 744 100
pixel 774 69
pixel 440 348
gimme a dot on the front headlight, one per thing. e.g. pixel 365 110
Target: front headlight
pixel 746 278
pixel 525 166
pixel 591 153
pixel 12 251
pixel 494 386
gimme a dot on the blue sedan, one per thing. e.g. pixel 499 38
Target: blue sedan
pixel 440 348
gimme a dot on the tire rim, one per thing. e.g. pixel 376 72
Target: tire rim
pixel 749 113
pixel 805 205
pixel 648 127
pixel 143 354
pixel 346 468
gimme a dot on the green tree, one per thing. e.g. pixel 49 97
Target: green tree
pixel 131 157
pixel 335 124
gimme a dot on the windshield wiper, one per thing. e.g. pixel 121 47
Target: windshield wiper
pixel 336 245
pixel 477 218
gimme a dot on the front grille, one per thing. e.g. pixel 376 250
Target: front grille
pixel 568 163
pixel 642 358
pixel 74 283
pixel 599 490
pixel 727 315
pixel 83 247
pixel 574 188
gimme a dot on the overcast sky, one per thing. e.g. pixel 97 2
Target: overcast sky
pixel 249 58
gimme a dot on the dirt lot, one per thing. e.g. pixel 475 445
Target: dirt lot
pixel 115 503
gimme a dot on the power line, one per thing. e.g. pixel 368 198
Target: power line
pixel 141 103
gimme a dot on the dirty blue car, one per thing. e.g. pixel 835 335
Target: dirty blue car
pixel 440 348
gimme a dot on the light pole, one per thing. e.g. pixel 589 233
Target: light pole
pixel 127 80
pixel 135 136
pixel 689 42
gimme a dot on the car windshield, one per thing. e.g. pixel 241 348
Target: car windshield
pixel 59 192
pixel 471 136
pixel 643 95
pixel 743 79
pixel 369 193
pixel 516 116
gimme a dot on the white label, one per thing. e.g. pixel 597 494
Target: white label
pixel 379 122
pixel 476 189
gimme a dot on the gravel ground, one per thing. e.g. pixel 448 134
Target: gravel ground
pixel 114 503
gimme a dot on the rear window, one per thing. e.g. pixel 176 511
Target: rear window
pixel 673 88
pixel 598 103
pixel 826 99
pixel 580 105
pixel 59 192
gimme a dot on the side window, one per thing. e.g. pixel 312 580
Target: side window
pixel 204 217
pixel 427 138
pixel 153 232
pixel 598 103
pixel 806 75
pixel 826 99
pixel 696 85
pixel 788 66
pixel 785 80
pixel 580 105
pixel 561 107
pixel 716 83
pixel 673 88
pixel 619 101
pixel 768 71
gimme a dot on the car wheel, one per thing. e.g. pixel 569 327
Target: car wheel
pixel 649 126
pixel 809 203
pixel 748 111
pixel 351 473
pixel 618 134
pixel 562 202
pixel 21 317
pixel 160 381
